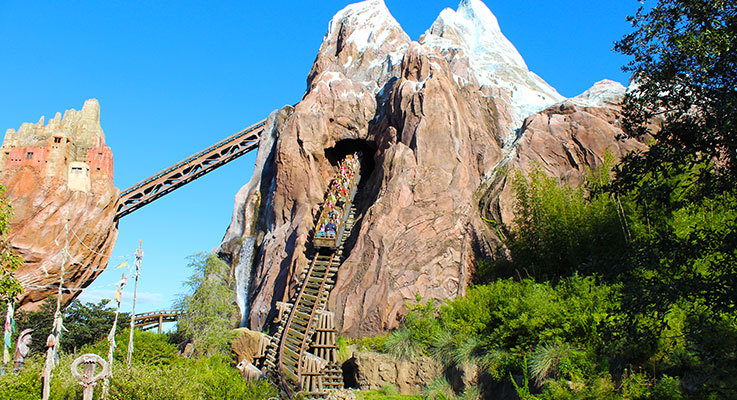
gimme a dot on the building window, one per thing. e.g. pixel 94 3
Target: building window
pixel 57 140
pixel 76 169
pixel 29 155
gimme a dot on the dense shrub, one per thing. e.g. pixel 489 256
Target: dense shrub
pixel 157 373
pixel 559 230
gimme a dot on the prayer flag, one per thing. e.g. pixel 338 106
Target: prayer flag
pixel 9 328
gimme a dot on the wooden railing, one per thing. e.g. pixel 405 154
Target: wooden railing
pixel 151 319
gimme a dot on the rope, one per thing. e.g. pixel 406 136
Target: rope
pixel 88 247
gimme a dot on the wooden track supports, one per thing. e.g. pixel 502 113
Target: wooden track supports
pixel 325 346
pixel 312 376
pixel 302 357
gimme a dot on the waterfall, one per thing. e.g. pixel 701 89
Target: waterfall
pixel 243 277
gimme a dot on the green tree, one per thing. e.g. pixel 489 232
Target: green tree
pixel 681 192
pixel 210 305
pixel 685 65
pixel 85 323
pixel 9 261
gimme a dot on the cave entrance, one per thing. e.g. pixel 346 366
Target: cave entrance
pixel 350 374
pixel 366 188
pixel 349 146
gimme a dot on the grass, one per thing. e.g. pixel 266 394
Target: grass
pixel 157 373
pixel 387 392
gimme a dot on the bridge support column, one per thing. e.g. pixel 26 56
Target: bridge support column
pixel 161 321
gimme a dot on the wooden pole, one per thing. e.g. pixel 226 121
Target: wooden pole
pixel 139 257
pixel 53 341
pixel 111 337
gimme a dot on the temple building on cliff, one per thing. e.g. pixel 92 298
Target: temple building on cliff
pixel 71 148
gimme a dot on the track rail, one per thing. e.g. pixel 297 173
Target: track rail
pixel 305 339
pixel 185 171
pixel 301 357
pixel 292 352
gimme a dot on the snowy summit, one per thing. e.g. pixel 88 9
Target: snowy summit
pixel 493 59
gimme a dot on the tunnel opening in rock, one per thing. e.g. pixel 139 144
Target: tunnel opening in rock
pixel 350 374
pixel 366 194
pixel 349 146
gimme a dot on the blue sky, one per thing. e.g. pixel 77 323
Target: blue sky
pixel 174 77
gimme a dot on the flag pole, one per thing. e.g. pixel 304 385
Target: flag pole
pixel 139 257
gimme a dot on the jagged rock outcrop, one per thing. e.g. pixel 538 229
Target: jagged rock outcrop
pixel 58 172
pixel 564 140
pixel 436 120
pixel 373 371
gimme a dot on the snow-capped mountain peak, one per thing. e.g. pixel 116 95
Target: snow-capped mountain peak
pixel 364 42
pixel 370 19
pixel 494 60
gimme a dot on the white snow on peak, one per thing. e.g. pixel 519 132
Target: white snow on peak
pixel 487 37
pixel 370 19
pixel 604 93
pixel 493 59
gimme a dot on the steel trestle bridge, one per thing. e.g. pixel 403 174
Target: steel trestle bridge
pixel 186 171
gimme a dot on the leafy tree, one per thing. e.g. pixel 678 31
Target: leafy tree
pixel 85 323
pixel 681 192
pixel 685 65
pixel 210 306
pixel 9 262
pixel 88 323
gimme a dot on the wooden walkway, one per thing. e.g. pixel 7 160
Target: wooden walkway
pixel 148 320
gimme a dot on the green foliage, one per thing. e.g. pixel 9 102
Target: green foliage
pixel 88 323
pixel 158 372
pixel 420 322
pixel 519 315
pixel 683 55
pixel 84 323
pixel 9 261
pixel 559 230
pixel 387 392
pixel 344 351
pixel 211 377
pixel 27 384
pixel 403 344
pixel 681 294
pixel 370 343
pixel 523 390
pixel 439 389
pixel 148 348
pixel 496 326
pixel 549 360
pixel 210 306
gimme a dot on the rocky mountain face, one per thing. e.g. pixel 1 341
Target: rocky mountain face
pixel 437 120
pixel 60 175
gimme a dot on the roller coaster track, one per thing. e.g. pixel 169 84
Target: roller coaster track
pixel 186 171
pixel 300 363
pixel 151 319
